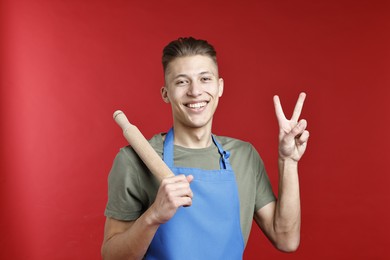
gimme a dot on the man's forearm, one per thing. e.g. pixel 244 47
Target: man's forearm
pixel 133 242
pixel 287 219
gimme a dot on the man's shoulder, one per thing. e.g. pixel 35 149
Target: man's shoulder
pixel 156 141
pixel 230 143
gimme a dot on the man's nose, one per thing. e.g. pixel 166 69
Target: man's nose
pixel 195 89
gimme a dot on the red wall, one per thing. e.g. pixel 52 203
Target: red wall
pixel 67 65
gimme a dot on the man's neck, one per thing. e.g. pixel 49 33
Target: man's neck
pixel 192 137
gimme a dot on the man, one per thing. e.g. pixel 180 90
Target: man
pixel 205 211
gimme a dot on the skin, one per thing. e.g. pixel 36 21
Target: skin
pixel 281 220
pixel 193 88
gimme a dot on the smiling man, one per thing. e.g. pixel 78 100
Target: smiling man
pixel 193 88
pixel 220 185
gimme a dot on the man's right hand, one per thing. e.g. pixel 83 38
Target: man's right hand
pixel 173 193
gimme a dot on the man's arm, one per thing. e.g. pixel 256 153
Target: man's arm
pixel 127 240
pixel 281 220
pixel 130 240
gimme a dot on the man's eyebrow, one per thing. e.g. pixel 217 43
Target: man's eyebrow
pixel 206 72
pixel 186 76
pixel 181 75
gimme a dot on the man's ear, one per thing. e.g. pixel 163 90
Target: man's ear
pixel 220 87
pixel 164 94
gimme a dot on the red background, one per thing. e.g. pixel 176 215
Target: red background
pixel 67 65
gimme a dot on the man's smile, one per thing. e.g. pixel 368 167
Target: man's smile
pixel 197 105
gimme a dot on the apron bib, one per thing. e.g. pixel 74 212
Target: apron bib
pixel 210 227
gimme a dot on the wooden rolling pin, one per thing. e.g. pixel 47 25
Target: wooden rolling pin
pixel 142 147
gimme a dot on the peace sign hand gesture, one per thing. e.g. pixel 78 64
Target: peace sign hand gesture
pixel 293 135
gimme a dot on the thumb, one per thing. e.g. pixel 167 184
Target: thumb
pixel 190 178
pixel 295 132
pixel 299 128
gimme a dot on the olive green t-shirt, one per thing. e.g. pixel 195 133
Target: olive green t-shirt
pixel 132 188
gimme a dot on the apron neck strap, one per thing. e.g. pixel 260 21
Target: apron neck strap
pixel 168 151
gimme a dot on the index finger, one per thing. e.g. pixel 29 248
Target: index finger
pixel 298 107
pixel 278 109
pixel 175 179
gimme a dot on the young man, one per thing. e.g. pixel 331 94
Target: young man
pixel 220 185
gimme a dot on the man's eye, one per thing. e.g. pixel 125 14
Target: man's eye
pixel 206 79
pixel 181 82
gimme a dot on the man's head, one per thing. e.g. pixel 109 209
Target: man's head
pixel 187 46
pixel 192 84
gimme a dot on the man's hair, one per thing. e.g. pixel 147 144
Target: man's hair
pixel 187 46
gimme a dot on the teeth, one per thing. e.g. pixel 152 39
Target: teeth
pixel 197 105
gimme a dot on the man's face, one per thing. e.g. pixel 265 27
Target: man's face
pixel 192 87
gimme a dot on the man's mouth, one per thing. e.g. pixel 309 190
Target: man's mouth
pixel 196 105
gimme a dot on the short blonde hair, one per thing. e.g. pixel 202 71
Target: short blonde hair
pixel 187 46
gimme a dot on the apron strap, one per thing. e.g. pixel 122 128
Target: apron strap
pixel 168 149
pixel 224 161
pixel 168 152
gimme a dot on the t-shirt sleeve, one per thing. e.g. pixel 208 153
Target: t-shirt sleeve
pixel 264 193
pixel 124 199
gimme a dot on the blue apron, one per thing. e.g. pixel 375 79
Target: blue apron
pixel 208 229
